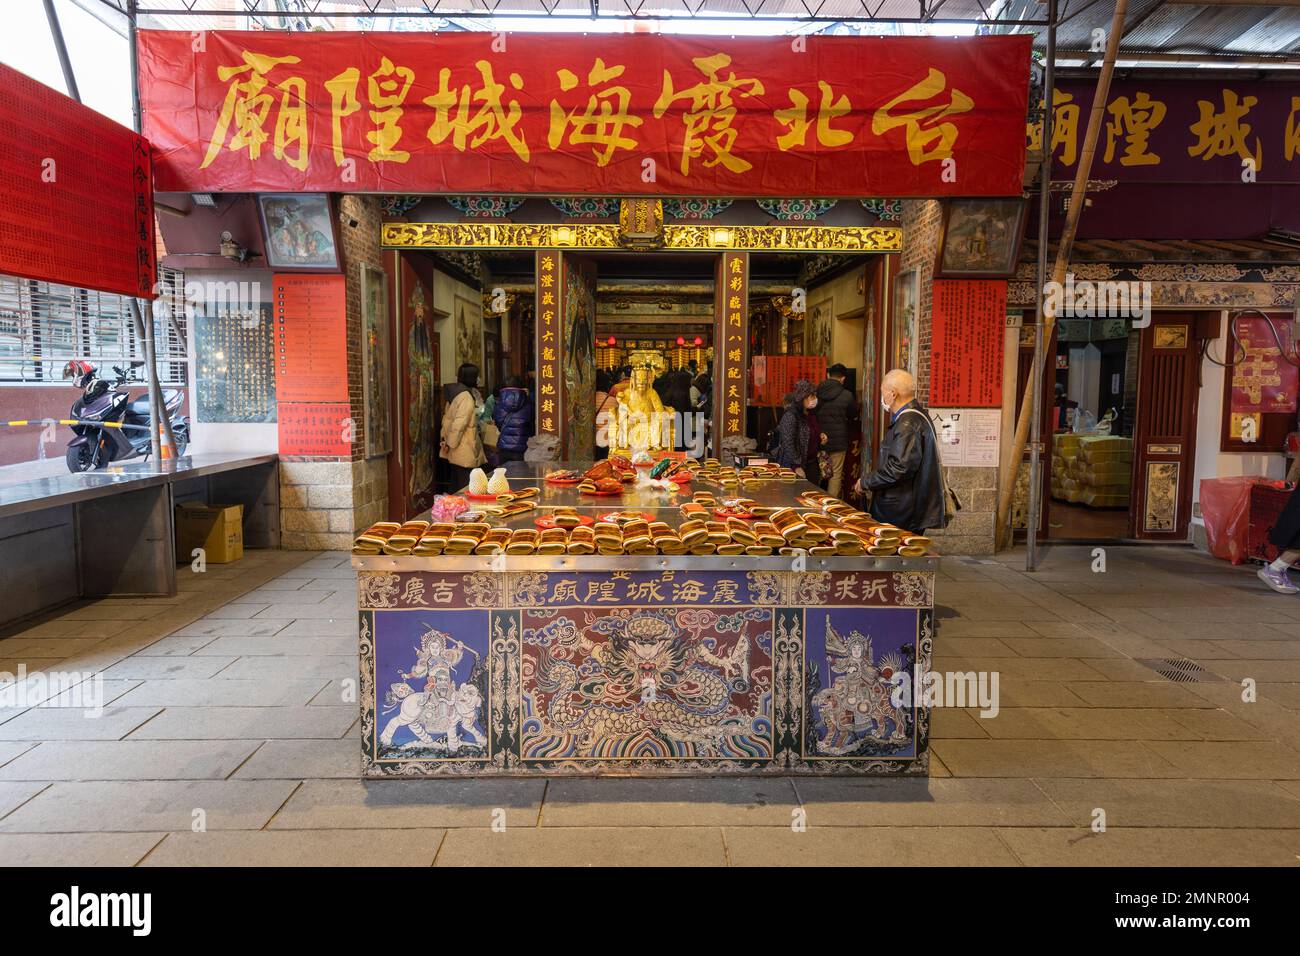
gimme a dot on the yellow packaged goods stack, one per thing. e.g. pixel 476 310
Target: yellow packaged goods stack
pixel 1065 466
pixel 1093 470
pixel 1107 470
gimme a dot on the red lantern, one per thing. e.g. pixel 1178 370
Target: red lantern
pixel 681 340
pixel 698 340
pixel 612 341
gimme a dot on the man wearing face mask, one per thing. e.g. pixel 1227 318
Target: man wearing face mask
pixel 906 485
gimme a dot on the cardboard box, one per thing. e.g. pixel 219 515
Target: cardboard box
pixel 217 529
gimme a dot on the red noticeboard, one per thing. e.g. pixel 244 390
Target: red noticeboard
pixel 314 429
pixel 311 347
pixel 311 366
pixel 969 320
pixel 76 193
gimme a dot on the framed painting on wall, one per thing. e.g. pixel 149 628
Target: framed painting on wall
pixel 468 318
pixel 901 348
pixel 376 370
pixel 980 238
pixel 819 329
pixel 300 232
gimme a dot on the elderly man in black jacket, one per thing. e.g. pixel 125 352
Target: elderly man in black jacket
pixel 906 485
pixel 836 407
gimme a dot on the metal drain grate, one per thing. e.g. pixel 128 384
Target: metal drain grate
pixel 1183 670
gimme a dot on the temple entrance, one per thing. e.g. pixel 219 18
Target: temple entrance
pixel 716 324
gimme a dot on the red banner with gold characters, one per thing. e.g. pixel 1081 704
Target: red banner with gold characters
pixel 638 114
pixel 76 200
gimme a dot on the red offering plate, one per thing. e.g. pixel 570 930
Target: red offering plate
pixel 472 497
pixel 548 521
pixel 728 513
pixel 564 481
pixel 614 516
pixel 681 477
pixel 603 494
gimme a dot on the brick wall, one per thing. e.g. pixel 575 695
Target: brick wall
pixel 971 530
pixel 324 503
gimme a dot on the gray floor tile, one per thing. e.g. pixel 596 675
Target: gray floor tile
pixel 1152 847
pixel 304 760
pixel 866 846
pixel 85 849
pixel 145 667
pixel 556 846
pixel 246 723
pixel 149 806
pixel 338 804
pixel 868 802
pixel 130 760
pixel 67 723
pixel 219 692
pixel 667 803
pixel 298 848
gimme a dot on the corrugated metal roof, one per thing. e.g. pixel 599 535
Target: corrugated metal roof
pixel 1167 26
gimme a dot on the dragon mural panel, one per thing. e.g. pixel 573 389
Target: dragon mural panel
pixel 650 684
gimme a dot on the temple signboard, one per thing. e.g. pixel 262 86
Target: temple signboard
pixel 639 114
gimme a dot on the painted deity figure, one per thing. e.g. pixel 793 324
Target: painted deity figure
pixel 443 709
pixel 857 703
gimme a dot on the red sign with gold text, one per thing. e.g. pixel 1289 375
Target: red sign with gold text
pixel 639 114
pixel 311 351
pixel 76 195
pixel 1263 380
pixel 969 321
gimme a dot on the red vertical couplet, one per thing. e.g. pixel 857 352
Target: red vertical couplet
pixel 550 294
pixel 730 344
pixel 311 366
pixel 966 334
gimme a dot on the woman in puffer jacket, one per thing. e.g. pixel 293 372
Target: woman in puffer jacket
pixel 513 415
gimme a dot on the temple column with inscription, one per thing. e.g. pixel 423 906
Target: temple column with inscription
pixel 730 352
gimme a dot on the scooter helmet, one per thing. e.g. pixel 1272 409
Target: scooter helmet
pixel 80 372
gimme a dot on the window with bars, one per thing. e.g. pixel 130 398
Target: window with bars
pixel 44 325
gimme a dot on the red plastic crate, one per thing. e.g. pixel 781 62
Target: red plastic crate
pixel 1266 504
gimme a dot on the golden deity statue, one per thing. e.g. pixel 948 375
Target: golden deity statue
pixel 641 421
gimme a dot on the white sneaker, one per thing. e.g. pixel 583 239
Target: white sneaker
pixel 1279 581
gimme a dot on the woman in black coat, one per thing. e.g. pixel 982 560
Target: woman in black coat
pixel 794 437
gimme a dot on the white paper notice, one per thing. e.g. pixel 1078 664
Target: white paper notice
pixel 968 437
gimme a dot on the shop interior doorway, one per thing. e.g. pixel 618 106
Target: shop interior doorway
pixel 1091 422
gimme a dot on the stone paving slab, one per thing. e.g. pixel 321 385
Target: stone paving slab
pixel 142 805
pixel 219 692
pixel 885 847
pixel 331 804
pixel 588 846
pixel 1052 758
pixel 1224 760
pixel 147 667
pixel 280 646
pixel 130 760
pixel 67 723
pixel 669 803
pixel 340 667
pixel 83 849
pixel 14 795
pixel 214 627
pixel 330 848
pixel 304 760
pixel 246 723
pixel 1153 847
pixel 864 802
pixel 1176 803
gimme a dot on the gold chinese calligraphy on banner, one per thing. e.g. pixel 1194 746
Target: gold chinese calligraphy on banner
pixel 730 332
pixel 632 115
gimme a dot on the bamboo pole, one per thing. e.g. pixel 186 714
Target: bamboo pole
pixel 1006 493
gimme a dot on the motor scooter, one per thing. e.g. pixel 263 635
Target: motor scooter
pixel 104 404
